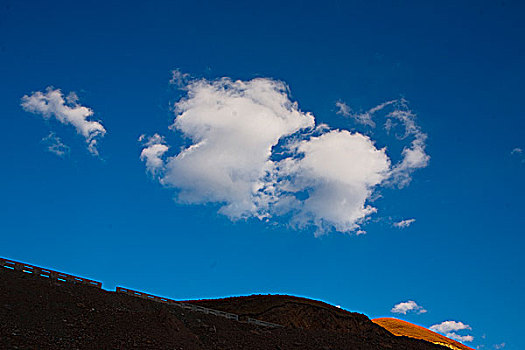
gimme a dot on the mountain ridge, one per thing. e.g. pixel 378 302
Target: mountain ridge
pixel 38 312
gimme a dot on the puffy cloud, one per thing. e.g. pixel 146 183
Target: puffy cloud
pixel 449 329
pixel 448 326
pixel 233 126
pixel 152 154
pixel 55 145
pixel 338 171
pixel 404 223
pixel 52 103
pixel 408 306
pixel 252 151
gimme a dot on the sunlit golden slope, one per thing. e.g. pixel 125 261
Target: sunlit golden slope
pixel 398 327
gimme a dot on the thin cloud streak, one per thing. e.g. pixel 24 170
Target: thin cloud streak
pixel 66 110
pixel 404 223
pixel 55 145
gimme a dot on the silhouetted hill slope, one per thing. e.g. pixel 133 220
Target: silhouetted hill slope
pixel 399 327
pixel 296 312
pixel 39 313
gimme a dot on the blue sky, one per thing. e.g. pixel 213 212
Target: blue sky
pixel 459 66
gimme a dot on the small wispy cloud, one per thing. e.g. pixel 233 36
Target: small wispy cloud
pixel 179 79
pixel 360 118
pixel 499 346
pixel 404 223
pixel 460 338
pixel 55 145
pixel 414 156
pixel 450 329
pixel 398 115
pixel 408 306
pixel 66 110
pixel 517 152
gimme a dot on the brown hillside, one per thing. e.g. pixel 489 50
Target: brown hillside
pixel 296 312
pixel 44 313
pixel 403 328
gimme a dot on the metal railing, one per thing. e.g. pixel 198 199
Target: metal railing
pixel 64 277
pixel 194 307
pixel 47 273
pixel 177 303
pixel 262 323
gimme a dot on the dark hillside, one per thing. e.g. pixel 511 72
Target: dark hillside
pixel 40 313
pixel 295 312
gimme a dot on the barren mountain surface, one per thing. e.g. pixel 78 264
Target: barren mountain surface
pixel 403 328
pixel 40 313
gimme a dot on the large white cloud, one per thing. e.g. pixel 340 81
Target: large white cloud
pixel 67 111
pixel 449 329
pixel 233 126
pixel 408 306
pixel 251 150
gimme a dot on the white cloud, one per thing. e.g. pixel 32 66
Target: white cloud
pixel 460 338
pixel 518 152
pixel 414 156
pixel 360 118
pixel 449 329
pixel 55 145
pixel 67 111
pixel 365 118
pixel 499 346
pixel 252 151
pixel 233 126
pixel 408 306
pixel 179 79
pixel 404 223
pixel 448 326
pixel 338 171
pixel 153 152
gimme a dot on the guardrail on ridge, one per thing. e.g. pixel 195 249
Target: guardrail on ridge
pixel 177 303
pixel 64 277
pixel 194 307
pixel 47 273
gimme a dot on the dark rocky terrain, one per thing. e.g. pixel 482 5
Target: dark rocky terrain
pixel 39 313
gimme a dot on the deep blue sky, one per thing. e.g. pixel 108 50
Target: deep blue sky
pixel 460 64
